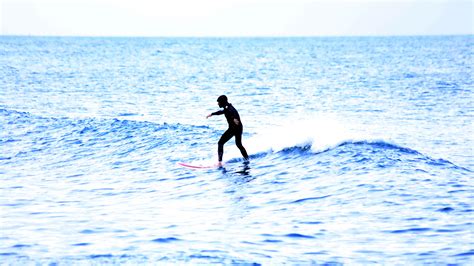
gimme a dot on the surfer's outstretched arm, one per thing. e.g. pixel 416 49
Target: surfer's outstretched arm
pixel 221 112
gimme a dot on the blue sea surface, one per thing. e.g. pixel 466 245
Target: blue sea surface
pixel 361 151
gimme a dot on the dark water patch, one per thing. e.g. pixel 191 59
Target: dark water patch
pixel 448 230
pixel 310 199
pixel 428 253
pixel 87 130
pixel 74 175
pixel 410 75
pixel 272 241
pixel 308 177
pixel 455 185
pixel 446 85
pixel 466 254
pixel 81 244
pixel 366 185
pixel 411 230
pixel 101 256
pixel 185 177
pixel 296 149
pixel 8 254
pixel 40 213
pixel 278 182
pixel 250 243
pixel 128 114
pixel 311 222
pixel 166 240
pixel 282 173
pixel 420 171
pixel 13 204
pixel 333 263
pixel 446 209
pixel 295 235
pixel 416 219
pixel 316 253
pixel 212 251
pixel 21 246
pixel 381 190
pixel 258 255
pixel 363 160
pixel 202 256
pixel 88 232
pixel 456 191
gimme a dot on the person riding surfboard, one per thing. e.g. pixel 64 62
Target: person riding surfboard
pixel 235 127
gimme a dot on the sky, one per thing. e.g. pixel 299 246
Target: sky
pixel 230 18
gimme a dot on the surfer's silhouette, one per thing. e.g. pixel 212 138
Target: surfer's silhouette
pixel 235 127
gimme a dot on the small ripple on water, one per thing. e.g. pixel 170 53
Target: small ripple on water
pixel 166 240
pixel 411 230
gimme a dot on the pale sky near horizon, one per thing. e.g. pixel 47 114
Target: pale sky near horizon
pixel 236 17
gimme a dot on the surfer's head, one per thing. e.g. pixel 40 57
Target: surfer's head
pixel 222 100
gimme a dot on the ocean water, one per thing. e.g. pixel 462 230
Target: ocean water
pixel 361 151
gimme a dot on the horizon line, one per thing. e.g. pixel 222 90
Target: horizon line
pixel 238 36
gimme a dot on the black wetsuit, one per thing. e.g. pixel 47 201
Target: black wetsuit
pixel 233 130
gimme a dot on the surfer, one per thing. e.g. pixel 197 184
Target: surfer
pixel 235 127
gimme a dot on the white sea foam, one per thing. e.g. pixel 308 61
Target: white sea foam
pixel 320 132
